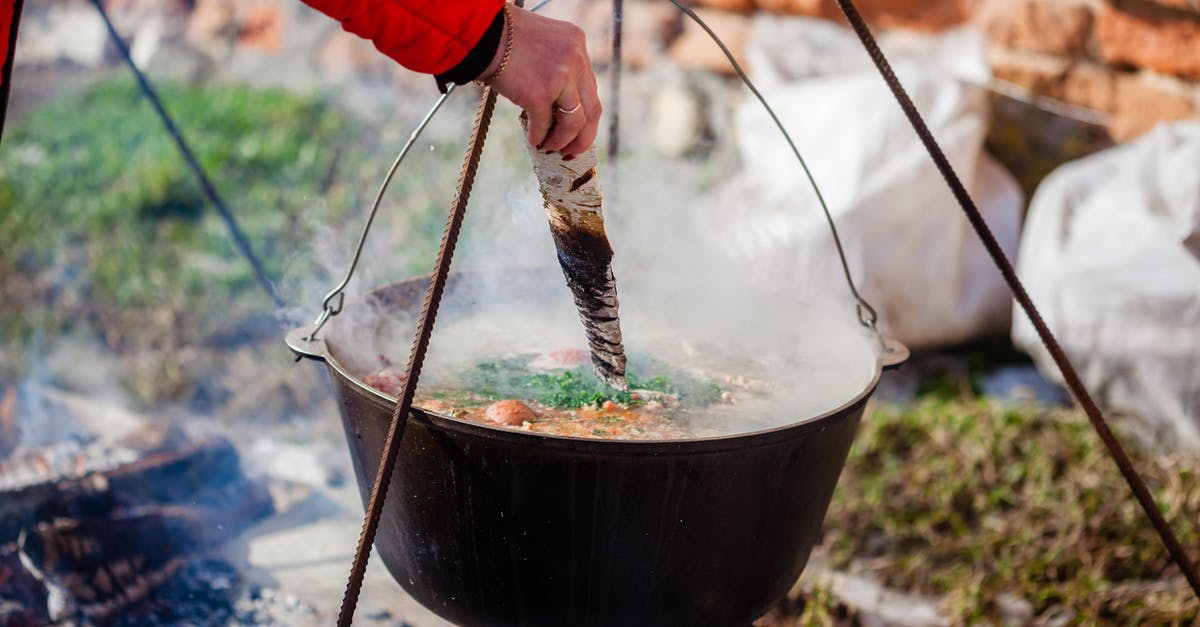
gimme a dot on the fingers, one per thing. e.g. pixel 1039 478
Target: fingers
pixel 549 73
pixel 540 120
pixel 569 119
pixel 590 111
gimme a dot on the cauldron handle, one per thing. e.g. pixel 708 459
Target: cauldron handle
pixel 893 354
pixel 305 346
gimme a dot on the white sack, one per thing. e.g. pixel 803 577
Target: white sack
pixel 1111 258
pixel 911 250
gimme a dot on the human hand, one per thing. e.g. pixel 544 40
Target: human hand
pixel 549 75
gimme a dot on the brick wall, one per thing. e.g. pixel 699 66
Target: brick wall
pixel 1136 62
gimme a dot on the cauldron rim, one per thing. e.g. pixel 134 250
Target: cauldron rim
pixel 318 348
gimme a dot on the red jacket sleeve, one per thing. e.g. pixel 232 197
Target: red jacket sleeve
pixel 428 36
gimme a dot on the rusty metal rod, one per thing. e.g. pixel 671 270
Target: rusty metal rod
pixel 391 446
pixel 614 97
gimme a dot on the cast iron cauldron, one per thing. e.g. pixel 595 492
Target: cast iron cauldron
pixel 486 526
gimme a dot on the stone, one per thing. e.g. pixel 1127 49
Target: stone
pixel 677 119
pixel 1162 42
pixel 1142 103
pixel 262 27
pixel 342 56
pixel 65 32
pixel 647 28
pixel 1036 25
pixel 694 49
pixel 212 25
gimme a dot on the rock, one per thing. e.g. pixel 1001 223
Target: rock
pixel 1014 610
pixel 677 116
pixel 342 56
pixel 212 26
pixel 65 32
pixel 694 49
pixel 262 27
pixel 876 605
pixel 1022 384
pixel 646 30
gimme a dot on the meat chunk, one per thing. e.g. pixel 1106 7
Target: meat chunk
pixel 388 381
pixel 509 412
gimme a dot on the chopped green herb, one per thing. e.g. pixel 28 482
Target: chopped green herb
pixel 579 387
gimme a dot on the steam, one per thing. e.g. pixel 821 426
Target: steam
pixel 682 301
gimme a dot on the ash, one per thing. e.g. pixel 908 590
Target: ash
pixel 209 591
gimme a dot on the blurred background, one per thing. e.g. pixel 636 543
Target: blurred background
pixel 132 324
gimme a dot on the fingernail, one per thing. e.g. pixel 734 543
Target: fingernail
pixel 568 157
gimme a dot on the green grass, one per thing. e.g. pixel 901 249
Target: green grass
pixel 92 188
pixel 106 234
pixel 968 500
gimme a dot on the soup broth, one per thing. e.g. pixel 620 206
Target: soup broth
pixel 557 393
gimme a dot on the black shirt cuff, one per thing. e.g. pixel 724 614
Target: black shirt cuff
pixel 478 59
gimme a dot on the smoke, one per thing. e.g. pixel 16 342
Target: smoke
pixel 683 300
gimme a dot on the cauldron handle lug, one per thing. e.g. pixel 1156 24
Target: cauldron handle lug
pixel 298 340
pixel 893 355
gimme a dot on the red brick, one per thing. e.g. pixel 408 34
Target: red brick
pixel 1142 103
pixel 793 7
pixel 695 50
pixel 1163 42
pixel 1087 85
pixel 927 15
pixel 1185 5
pixel 736 6
pixel 1036 73
pixel 1049 27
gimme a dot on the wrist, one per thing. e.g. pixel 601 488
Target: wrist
pixel 478 61
pixel 503 50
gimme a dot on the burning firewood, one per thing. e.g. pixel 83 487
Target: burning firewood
pixel 22 596
pixel 95 567
pixel 573 201
pixel 98 541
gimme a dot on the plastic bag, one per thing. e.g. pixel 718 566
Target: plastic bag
pixel 911 250
pixel 1111 258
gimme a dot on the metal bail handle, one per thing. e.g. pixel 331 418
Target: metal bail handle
pixel 866 313
pixel 332 304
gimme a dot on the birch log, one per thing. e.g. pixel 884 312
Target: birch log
pixel 571 191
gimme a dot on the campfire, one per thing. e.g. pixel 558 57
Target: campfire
pixel 120 531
